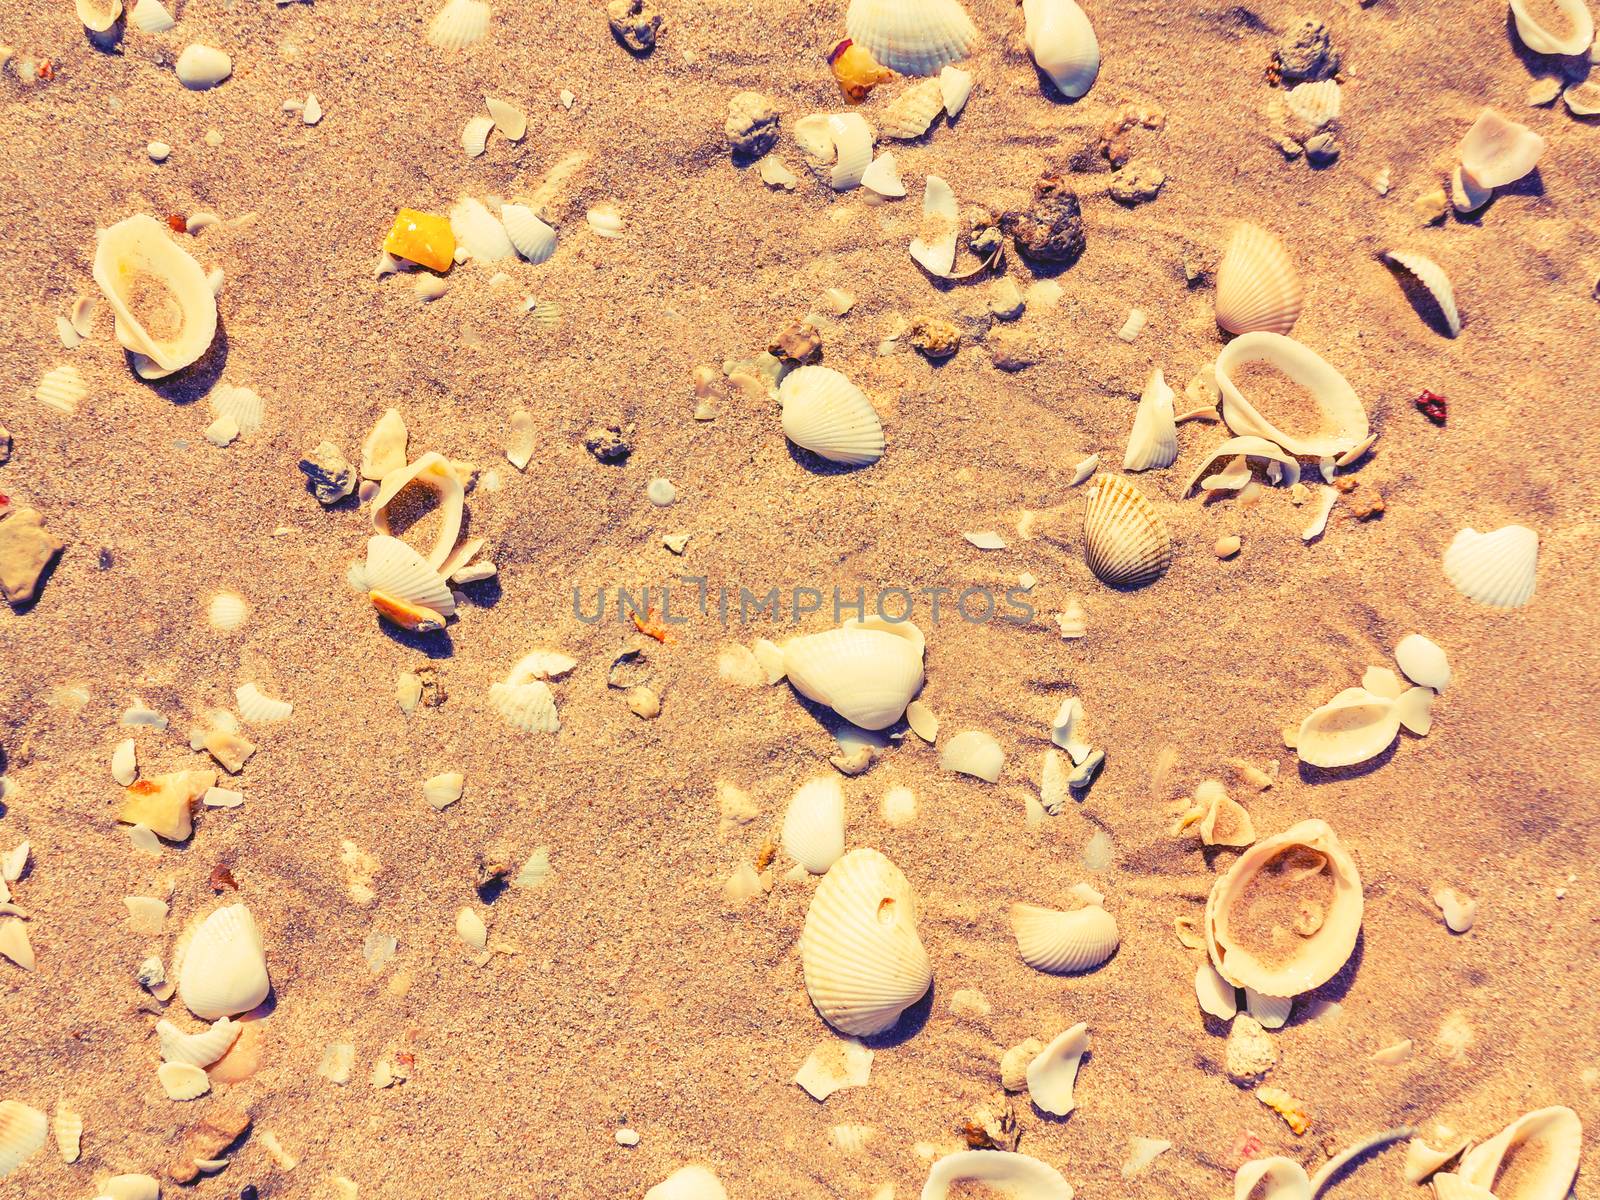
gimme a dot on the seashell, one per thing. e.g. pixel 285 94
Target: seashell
pixel 828 415
pixel 882 176
pixel 14 944
pixel 1218 998
pixel 1431 276
pixel 833 1066
pixel 201 67
pixel 934 247
pixel 1083 470
pixel 867 671
pixel 1062 43
pixel 23 1132
pixel 1453 1187
pixel 1496 151
pixel 974 753
pixel 1154 439
pixel 913 111
pixel 1225 821
pixel 1423 661
pixel 311 111
pixel 130 1187
pixel 257 708
pixel 510 120
pixel 1533 1158
pixel 1343 420
pixel 521 439
pixel 1351 728
pixel 384 449
pixel 443 790
pixel 1125 541
pixel 223 968
pixel 146 914
pixel 1498 569
pixel 475 136
pixel 1304 870
pixel 813 826
pixel 471 929
pixel 1414 708
pixel 152 16
pixel 1460 911
pixel 863 962
pixel 1271 1012
pixel 1273 1178
pixel 164 804
pixel 1064 942
pixel 459 24
pixel 530 706
pixel 165 310
pixel 1286 467
pixel 181 1081
pixel 1466 193
pixel 1569 32
pixel 196 1049
pixel 1054 1070
pixel 433 471
pixel 1258 287
pixel 478 232
pixel 62 389
pixel 1317 104
pixel 913 37
pixel 955 85
pixel 1015 1176
pixel 1583 98
pixel 688 1183
pixel 1422 1160
pixel 67 1125
pixel 533 239
pixel 843 140
pixel 99 16
pixel 396 571
pixel 238 404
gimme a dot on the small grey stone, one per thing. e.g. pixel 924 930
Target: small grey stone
pixel 328 475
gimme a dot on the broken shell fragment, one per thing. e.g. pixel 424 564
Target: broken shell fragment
pixel 867 671
pixel 828 415
pixel 1218 998
pixel 196 1049
pixel 813 826
pixel 23 1132
pixel 882 177
pixel 1554 26
pixel 1273 1178
pixel 997 1172
pixel 182 1081
pixel 1063 44
pixel 1432 277
pixel 1282 469
pixel 913 37
pixel 834 1065
pixel 1497 569
pixel 1342 423
pixel 934 247
pixel 1272 1012
pixel 1497 151
pixel 255 707
pixel 1064 942
pixel 913 111
pixel 223 968
pixel 99 16
pixel 1351 728
pixel 164 804
pixel 688 1183
pixel 443 790
pixel 842 142
pixel 1258 287
pixel 1459 910
pixel 1125 541
pixel 165 310
pixel 432 471
pixel 1054 1070
pixel 1154 439
pixel 1533 1158
pixel 973 752
pixel 533 239
pixel 1423 661
pixel 955 85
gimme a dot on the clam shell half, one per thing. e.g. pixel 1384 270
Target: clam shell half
pixel 866 671
pixel 914 37
pixel 1342 419
pixel 1015 1176
pixel 165 309
pixel 1125 541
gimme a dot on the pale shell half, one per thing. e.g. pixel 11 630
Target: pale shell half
pixel 165 310
pixel 1343 420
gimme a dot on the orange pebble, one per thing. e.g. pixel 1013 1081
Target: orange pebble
pixel 422 238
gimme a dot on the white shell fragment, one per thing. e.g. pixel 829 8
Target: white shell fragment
pixel 165 310
pixel 973 752
pixel 151 16
pixel 995 1172
pixel 1343 421
pixel 520 439
pixel 196 1049
pixel 1218 998
pixel 934 247
pixel 1154 440
pixel 1282 469
pixel 443 790
pixel 1554 26
pixel 124 762
pixel 913 111
pixel 913 37
pixel 200 67
pixel 1258 287
pixel 1497 569
pixel 813 826
pixel 23 1133
pixel 1064 942
pixel 1431 276
pixel 222 970
pixel 955 86
pixel 475 136
pixel 509 120
pixel 1423 662
pixel 828 415
pixel 835 1064
pixel 1496 151
pixel 1317 104
pixel 1062 43
pixel 1414 707
pixel 866 671
pixel 1533 1158
pixel 1460 910
pixel 1054 1071
pixel 479 233
pixel 841 142
pixel 257 708
pixel 1272 1012
pixel 62 389
pixel 183 1081
pixel 1272 1178
pixel 533 239
pixel 882 177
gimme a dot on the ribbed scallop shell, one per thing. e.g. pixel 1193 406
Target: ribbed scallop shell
pixel 1271 1011
pixel 864 964
pixel 1351 728
pixel 1317 104
pixel 827 414
pixel 478 232
pixel 914 37
pixel 1064 942
pixel 1572 35
pixel 258 708
pixel 1258 287
pixel 165 309
pixel 23 1132
pixel 1343 421
pixel 1317 957
pixel 1154 439
pixel 866 671
pixel 241 403
pixel 813 825
pixel 475 136
pixel 62 389
pixel 223 968
pixel 152 16
pixel 1548 1141
pixel 197 1049
pixel 1063 44
pixel 459 24
pixel 997 1172
pixel 1125 541
pixel 395 569
pixel 912 111
pixel 529 706
pixel 534 240
pixel 1498 569
pixel 1054 1070
pixel 1431 276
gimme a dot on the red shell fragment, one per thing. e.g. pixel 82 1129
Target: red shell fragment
pixel 1434 406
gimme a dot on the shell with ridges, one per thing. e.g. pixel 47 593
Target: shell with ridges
pixel 828 415
pixel 67 1126
pixel 475 136
pixel 396 570
pixel 867 671
pixel 258 708
pixel 1063 44
pixel 529 706
pixel 222 969
pixel 1550 1143
pixel 863 962
pixel 1153 441
pixel 1247 447
pixel 62 389
pixel 1015 1176
pixel 1317 104
pixel 913 37
pixel 1575 38
pixel 1498 569
pixel 1351 728
pixel 197 1049
pixel 459 24
pixel 1064 942
pixel 164 307
pixel 1258 287
pixel 242 404
pixel 913 111
pixel 479 233
pixel 23 1132
pixel 533 239
pixel 1054 1070
pixel 152 16
pixel 1431 276
pixel 813 825
pixel 1343 424
pixel 1125 541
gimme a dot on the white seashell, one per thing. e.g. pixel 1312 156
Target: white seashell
pixel 1083 470
pixel 257 708
pixel 997 1172
pixel 1272 1179
pixel 510 120
pixel 222 798
pixel 432 471
pixel 533 239
pixel 1276 873
pixel 146 914
pixel 1431 276
pixel 14 943
pixel 1317 104
pixel 775 174
pixel 1343 423
pixel 955 85
pixel 1498 569
pixel 813 826
pixel 1414 707
pixel 1258 287
pixel 23 1132
pixel 899 806
pixel 238 404
pixel 152 16
pixel 986 539
pixel 529 706
pixel 1327 497
pixel 384 449
pixel 1571 32
pixel 1054 1070
pixel 394 569
pixel 475 136
pixel 227 611
pixel 1142 1151
pixel 165 310
pixel 882 176
pixel 197 1049
pixel 311 111
pixel 834 1065
pixel 934 247
pixel 1351 728
pixel 62 389
pixel 1125 541
pixel 912 111
pixel 1466 193
pixel 913 37
pixel 867 671
pixel 478 233
pixel 605 221
pixel 1064 942
pixel 1422 1160
pixel 1459 910
pixel 1583 99
pixel 201 67
pixel 1496 151
pixel 183 1081
pixel 521 439
pixel 1241 449
pixel 541 664
pixel 1271 1012
pixel 130 1187
pixel 1134 325
pixel 67 1125
pixel 443 790
pixel 223 968
pixel 471 929
pixel 974 753
pixel 99 16
pixel 688 1183
pixel 840 141
pixel 862 960
pixel 827 414
pixel 1218 998
pixel 1533 1158
pixel 459 24
pixel 1423 661
pixel 1062 43
pixel 14 861
pixel 1154 439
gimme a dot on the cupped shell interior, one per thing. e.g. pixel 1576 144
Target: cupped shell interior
pixel 995 1172
pixel 1533 1158
pixel 164 307
pixel 1341 420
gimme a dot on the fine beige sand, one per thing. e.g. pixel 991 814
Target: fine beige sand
pixel 638 998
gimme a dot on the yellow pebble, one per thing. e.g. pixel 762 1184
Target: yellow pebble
pixel 422 238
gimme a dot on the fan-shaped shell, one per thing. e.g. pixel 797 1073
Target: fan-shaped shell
pixel 934 247
pixel 1496 151
pixel 1317 104
pixel 241 404
pixel 1247 447
pixel 23 1132
pixel 152 16
pixel 459 24
pixel 478 232
pixel 1258 287
pixel 1064 942
pixel 1154 439
pixel 1431 276
pixel 197 1049
pixel 1571 33
pixel 1274 1178
pixel 1015 1176
pixel 1533 1158
pixel 828 415
pixel 912 111
pixel 1271 1011
pixel 867 671
pixel 165 310
pixel 1125 541
pixel 688 1183
pixel 475 136
pixel 1054 1070
pixel 1343 424
pixel 914 37
pixel 534 240
pixel 813 826
pixel 1351 728
pixel 1303 871
pixel 223 968
pixel 1498 569
pixel 528 706
pixel 974 752
pixel 258 708
pixel 863 962
pixel 431 471
pixel 61 388
pixel 396 570
pixel 1062 43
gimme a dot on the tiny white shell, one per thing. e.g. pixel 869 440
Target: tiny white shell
pixel 1431 276
pixel 1459 909
pixel 1414 707
pixel 1573 33
pixel 834 1065
pixel 1423 661
pixel 1241 449
pixel 510 120
pixel 604 221
pixel 842 142
pixel 478 232
pixel 934 247
pixel 443 790
pixel 67 1125
pixel 197 1049
pixel 183 1081
pixel 62 389
pixel 201 67
pixel 459 24
pixel 124 763
pixel 913 37
pixel 1063 44
pixel 1054 1071
pixel 222 970
pixel 973 752
pixel 241 404
pixel 475 136
pixel 813 825
pixel 257 708
pixel 1466 193
pixel 152 16
pixel 827 414
pixel 1258 287
pixel 99 16
pixel 882 177
pixel 1498 569
pixel 1064 942
pixel 1273 1178
pixel 23 1132
pixel 227 611
pixel 998 1172
pixel 955 85
pixel 471 929
pixel 533 239
pixel 1153 441
pixel 1497 151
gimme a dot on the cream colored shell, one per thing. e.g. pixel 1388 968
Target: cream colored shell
pixel 828 415
pixel 1258 287
pixel 1063 44
pixel 222 970
pixel 1533 1158
pixel 165 310
pixel 1354 726
pixel 1153 441
pixel 913 37
pixel 867 671
pixel 1064 942
pixel 1125 541
pixel 996 1172
pixel 1498 569
pixel 1342 421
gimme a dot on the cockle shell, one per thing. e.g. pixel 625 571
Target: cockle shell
pixel 1054 1070
pixel 1343 425
pixel 475 136
pixel 529 706
pixel 1317 104
pixel 201 67
pixel 1498 569
pixel 1282 469
pixel 934 247
pixel 1351 728
pixel 479 233
pixel 1271 1012
pixel 394 569
pixel 913 37
pixel 257 708
pixel 533 239
pixel 1497 151
pixel 23 1132
pixel 813 826
pixel 1064 942
pixel 1258 287
pixel 432 471
pixel 1570 33
pixel 1154 439
pixel 1285 961
pixel 459 24
pixel 1125 541
pixel 242 405
pixel 1431 276
pixel 840 141
pixel 973 752
pixel 165 310
pixel 912 111
pixel 1062 43
pixel 99 16
pixel 196 1049
pixel 1005 1172
pixel 1533 1158
pixel 62 388
pixel 828 415
pixel 152 16
pixel 867 670
pixel 223 968
pixel 863 962
pixel 688 1183
pixel 1273 1178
